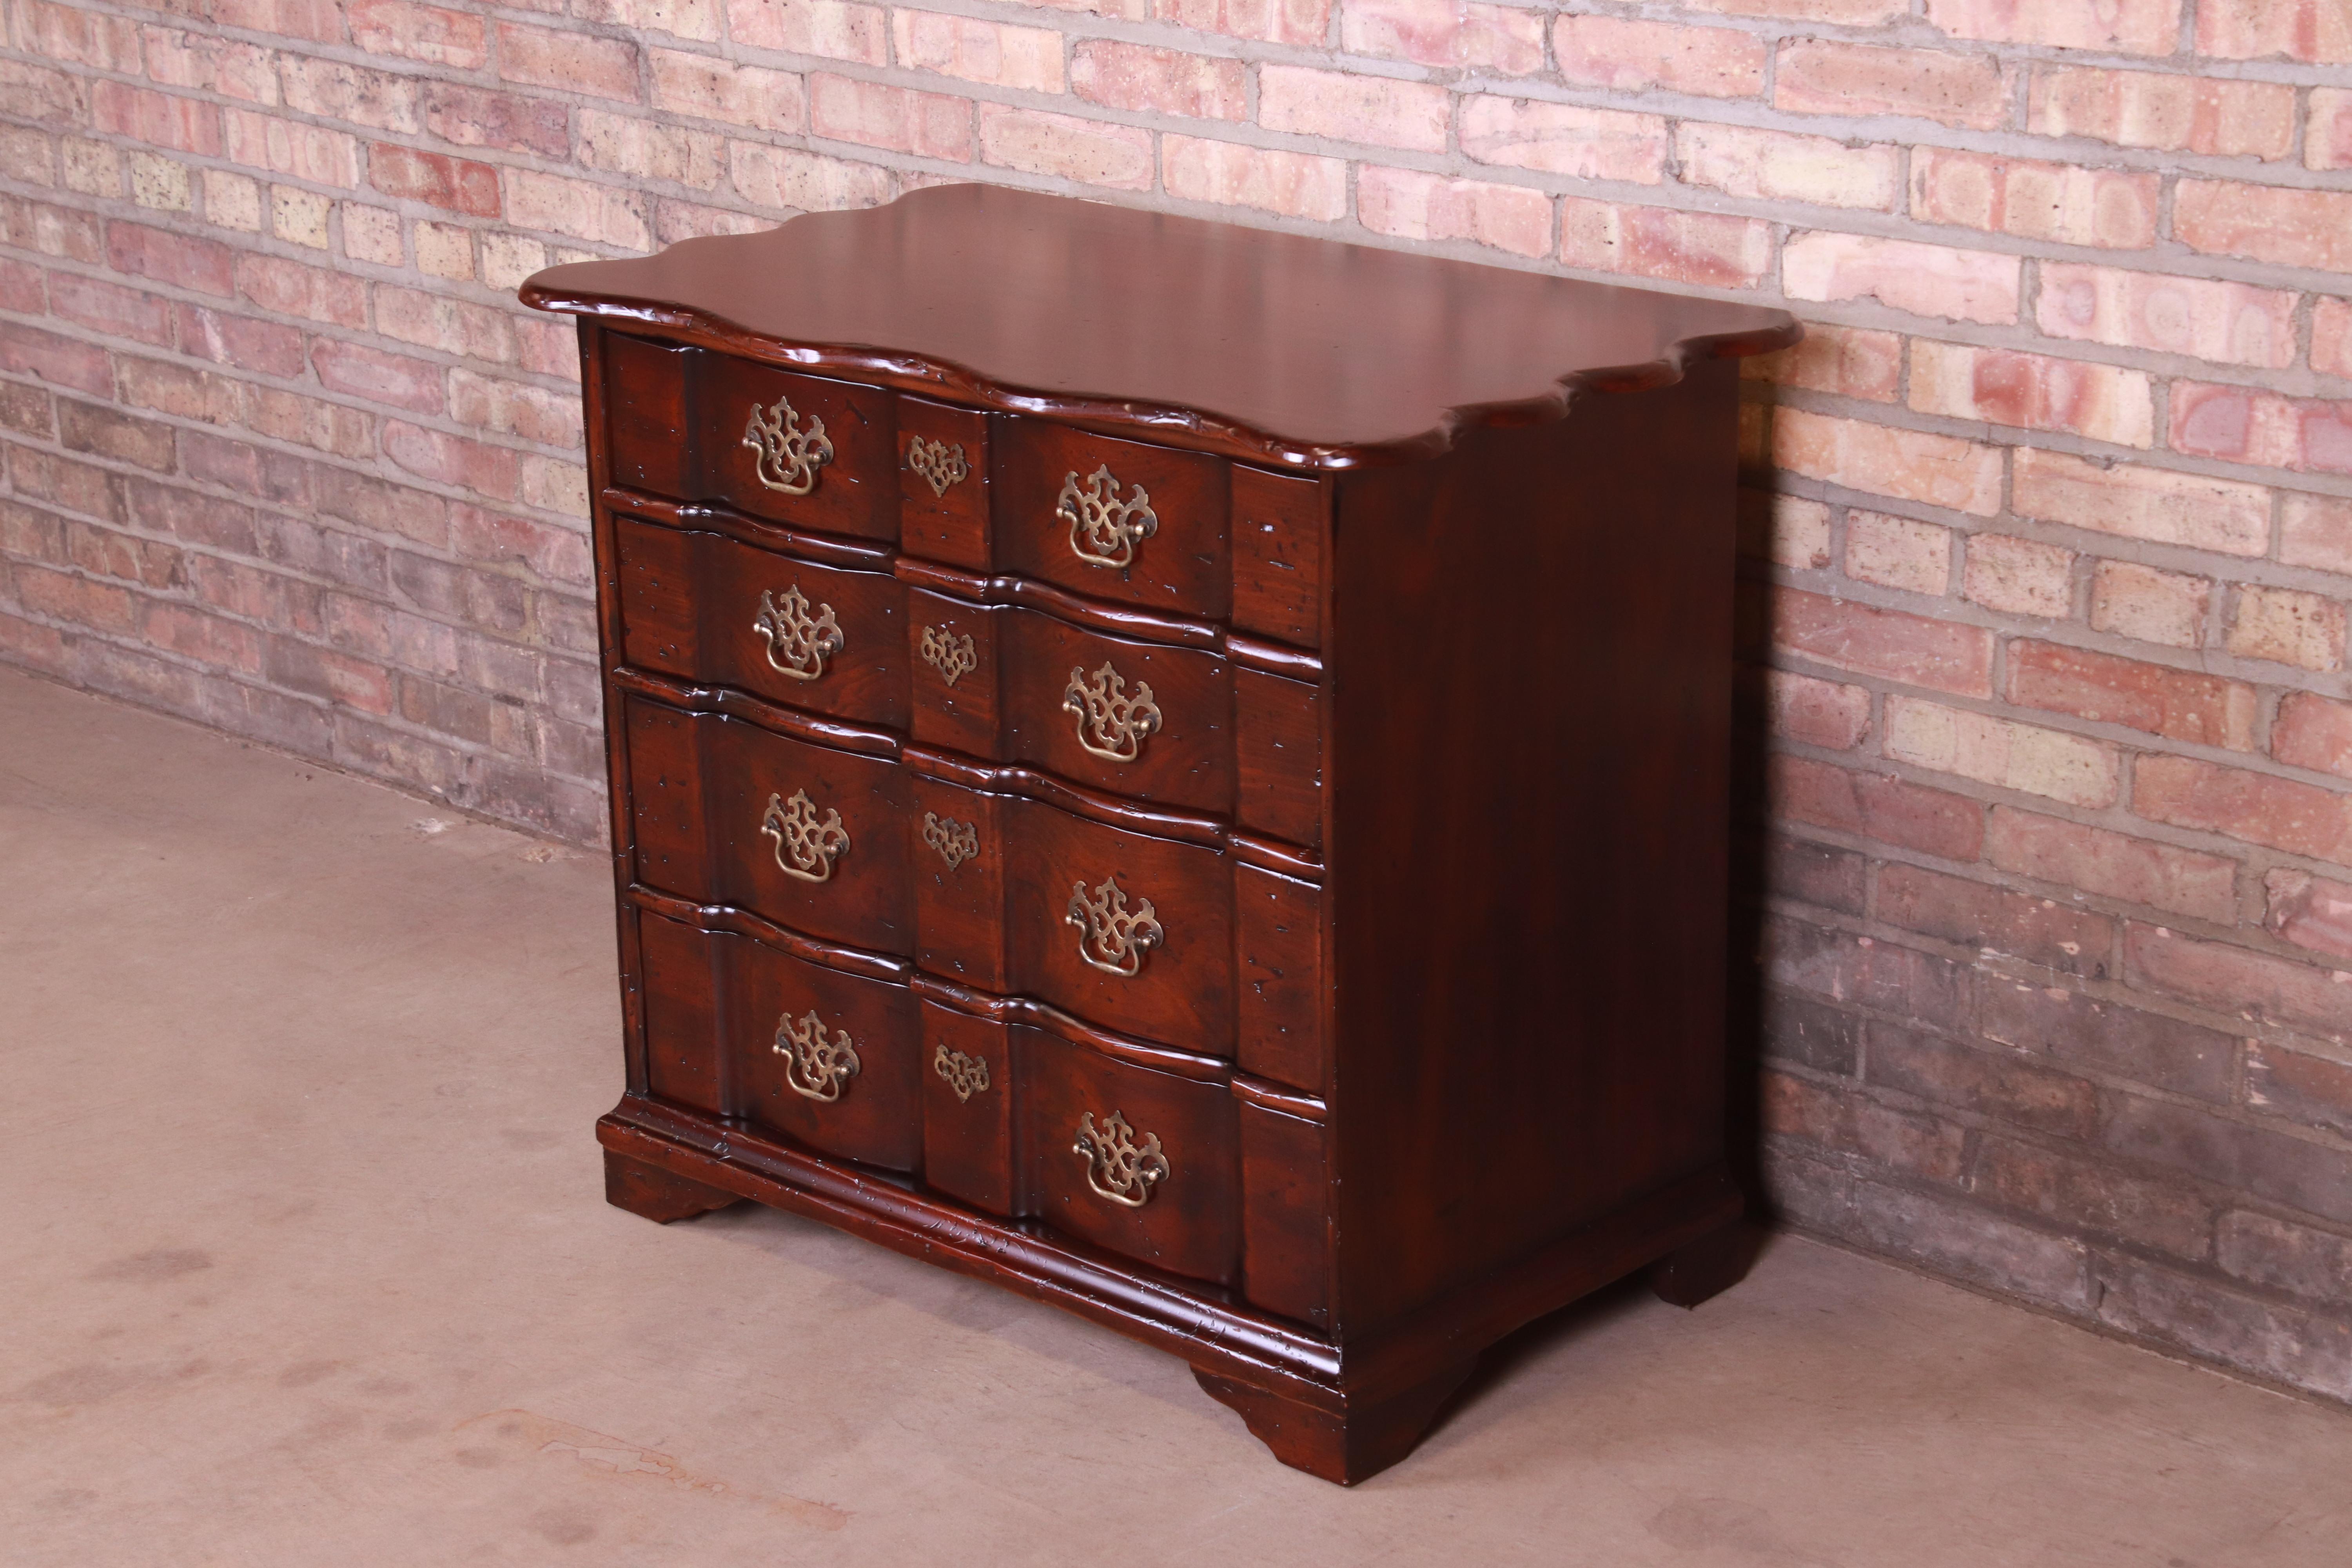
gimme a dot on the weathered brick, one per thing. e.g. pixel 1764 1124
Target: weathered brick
pixel 2002 753
pixel 1158 81
pixel 1560 139
pixel 1026 59
pixel 2117 26
pixel 2331 337
pixel 2313 732
pixel 1295 184
pixel 1504 39
pixel 1924 279
pixel 1957 910
pixel 2243 424
pixel 2098 860
pixel 1884 976
pixel 1707 248
pixel 2018 576
pixel 381 100
pixel 2064 204
pixel 2310 31
pixel 1821 76
pixel 2287 626
pixel 2300 818
pixel 931 125
pixel 181 260
pixel 2140 503
pixel 1627 56
pixel 1910 465
pixel 2233 323
pixel 2280 1255
pixel 1846 13
pixel 291 289
pixel 2328 133
pixel 432 34
pixel 1375 110
pixel 1303 22
pixel 576 62
pixel 1088 151
pixel 1897 552
pixel 830 28
pixel 513 122
pixel 83 37
pixel 1799 1029
pixel 1779 165
pixel 2271 1165
pixel 2099 401
pixel 53 357
pixel 2164 113
pixel 111 433
pixel 787 177
pixel 2310 911
pixel 1849 360
pixel 2265 223
pixel 2134 601
pixel 1876 806
pixel 1410 205
pixel 553 205
pixel 283 146
pixel 2082 1191
pixel 358 370
pixel 1915 649
pixel 648 149
pixel 2179 704
pixel 1903 1141
pixel 1824 714
pixel 156 119
pixel 272 348
pixel 1786 529
pixel 2092 1035
pixel 457 184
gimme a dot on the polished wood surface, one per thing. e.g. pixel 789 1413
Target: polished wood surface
pixel 1190 333
pixel 1357 1006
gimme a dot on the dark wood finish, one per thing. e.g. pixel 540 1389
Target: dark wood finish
pixel 1266 347
pixel 1436 613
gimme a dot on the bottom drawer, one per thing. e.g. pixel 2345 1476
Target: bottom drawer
pixel 738 1028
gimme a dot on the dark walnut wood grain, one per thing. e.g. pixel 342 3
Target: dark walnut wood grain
pixel 1357 1003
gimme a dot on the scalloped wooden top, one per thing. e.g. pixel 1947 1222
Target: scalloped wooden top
pixel 1260 345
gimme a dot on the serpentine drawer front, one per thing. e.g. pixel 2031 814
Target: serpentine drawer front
pixel 1180 769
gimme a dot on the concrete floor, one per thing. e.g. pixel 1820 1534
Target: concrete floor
pixel 306 1261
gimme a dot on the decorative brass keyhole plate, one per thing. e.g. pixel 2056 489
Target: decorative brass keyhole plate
pixel 1111 725
pixel 956 842
pixel 1117 1167
pixel 1109 937
pixel 952 655
pixel 789 456
pixel 798 643
pixel 966 1075
pixel 806 848
pixel 1105 529
pixel 938 464
pixel 816 1068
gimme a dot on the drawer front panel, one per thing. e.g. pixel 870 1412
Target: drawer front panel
pixel 826 1058
pixel 1143 1162
pixel 808 836
pixel 943 482
pixel 706 607
pixel 1109 519
pixel 801 450
pixel 969 1096
pixel 1278 521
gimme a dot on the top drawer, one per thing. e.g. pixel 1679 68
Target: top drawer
pixel 698 425
pixel 1111 519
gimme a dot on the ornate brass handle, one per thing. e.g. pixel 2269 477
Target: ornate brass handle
pixel 815 1066
pixel 954 656
pixel 806 848
pixel 1111 725
pixel 789 456
pixel 804 641
pixel 1109 937
pixel 938 464
pixel 1105 529
pixel 957 842
pixel 1117 1167
pixel 966 1075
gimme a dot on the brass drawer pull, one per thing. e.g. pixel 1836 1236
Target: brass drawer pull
pixel 803 641
pixel 966 1075
pixel 1117 723
pixel 816 1068
pixel 937 463
pixel 1105 529
pixel 806 848
pixel 789 456
pixel 957 842
pixel 952 655
pixel 1117 1167
pixel 1110 939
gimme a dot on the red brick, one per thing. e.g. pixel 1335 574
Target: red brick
pixel 434 178
pixel 67 361
pixel 1846 13
pixel 2287 626
pixel 2245 426
pixel 1710 249
pixel 2099 401
pixel 1026 60
pixel 112 309
pixel 1504 39
pixel 931 125
pixel 826 28
pixel 208 639
pixel 381 100
pixel 285 146
pixel 552 553
pixel 1295 184
pixel 1874 805
pixel 2236 981
pixel 430 33
pixel 2331 337
pixel 58 596
pixel 2101 1036
pixel 1787 529
pixel 2112 865
pixel 2313 732
pixel 269 347
pixel 2328 134
pixel 1993 920
pixel 2062 203
pixel 1818 713
pixel 1158 81
pixel 608 215
pixel 2309 911
pixel 1900 1139
pixel 109 432
pixel 514 408
pixel 2300 818
pixel 2308 30
pixel 2117 26
pixel 1897 552
pixel 741 96
pixel 2140 503
pixel 52 231
pixel 2179 704
pixel 321 21
pixel 2264 223
pixel 1088 151
pixel 358 370
pixel 1818 77
pixel 1303 22
pixel 2315 531
pixel 576 62
pixel 1848 361
pixel 453 326
pixel 2134 601
pixel 48 97
pixel 2233 323
pixel 2299 1086
pixel 1373 110
pixel 177 259
pixel 1410 205
pixel 493 471
pixel 155 119
pixel 1924 279
pixel 2162 112
pixel 1627 56
pixel 291 289
pixel 1918 650
pixel 2079 1191
pixel 83 37
pixel 1866 971
pixel 474 117
pixel 1562 138
pixel 2018 576
pixel 1777 165
pixel 1911 464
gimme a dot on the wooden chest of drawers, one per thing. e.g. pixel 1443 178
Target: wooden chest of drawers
pixel 1178 769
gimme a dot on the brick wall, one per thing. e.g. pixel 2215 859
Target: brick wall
pixel 2049 529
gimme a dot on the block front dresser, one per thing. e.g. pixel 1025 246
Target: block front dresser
pixel 1178 769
